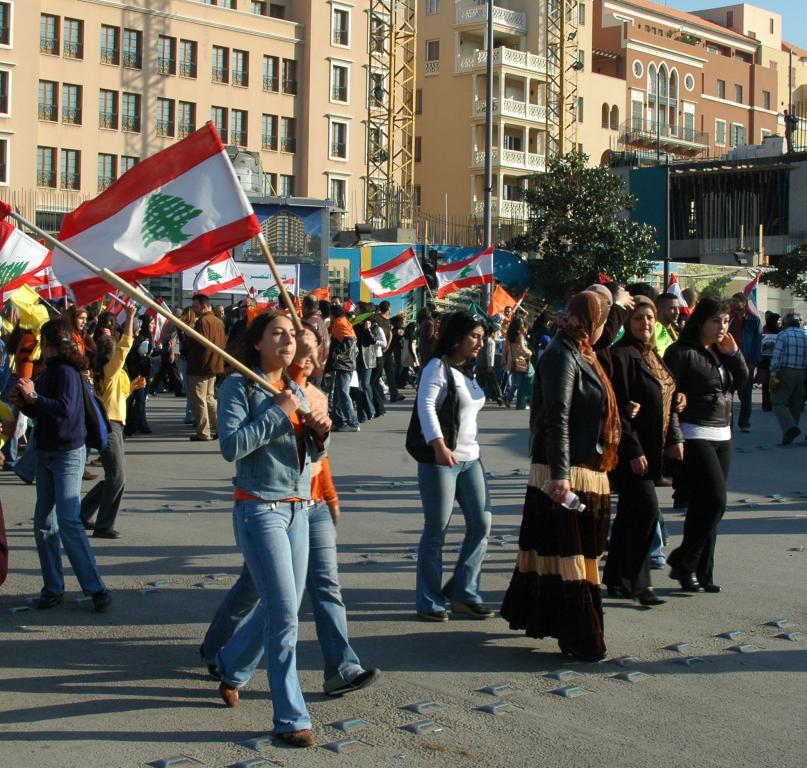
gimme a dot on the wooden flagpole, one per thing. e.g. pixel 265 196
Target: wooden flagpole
pixel 284 294
pixel 119 282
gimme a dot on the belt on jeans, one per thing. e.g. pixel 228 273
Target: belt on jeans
pixel 295 505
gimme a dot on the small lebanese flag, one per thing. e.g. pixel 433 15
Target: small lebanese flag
pixel 176 209
pixel 750 292
pixel 218 275
pixel 45 283
pixel 675 289
pixel 398 275
pixel 20 257
pixel 476 270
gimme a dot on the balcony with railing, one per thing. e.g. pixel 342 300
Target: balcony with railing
pixel 339 93
pixel 108 120
pixel 48 112
pixel 166 65
pixel 185 129
pixel 432 68
pixel 477 14
pixel 72 50
pixel 239 138
pixel 130 123
pixel 165 128
pixel 502 56
pixel 132 60
pixel 219 74
pixel 290 86
pixel 271 84
pixel 70 181
pixel 287 144
pixel 510 158
pixel 339 36
pixel 49 45
pixel 269 141
pixel 512 108
pixel 46 178
pixel 240 77
pixel 71 116
pixel 503 209
pixel 104 182
pixel 641 133
pixel 110 55
pixel 187 69
pixel 339 150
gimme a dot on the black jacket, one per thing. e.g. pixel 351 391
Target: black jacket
pixel 641 436
pixel 697 372
pixel 567 409
pixel 343 354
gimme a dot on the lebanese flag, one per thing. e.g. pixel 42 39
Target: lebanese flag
pixel 174 210
pixel 20 257
pixel 45 283
pixel 750 292
pixel 476 270
pixel 218 275
pixel 398 275
pixel 675 289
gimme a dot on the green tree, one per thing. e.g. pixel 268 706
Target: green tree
pixel 578 229
pixel 716 288
pixel 791 272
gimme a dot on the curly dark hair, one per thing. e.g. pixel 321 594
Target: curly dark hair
pixel 57 334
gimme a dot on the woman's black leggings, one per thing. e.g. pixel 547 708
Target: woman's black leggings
pixel 706 464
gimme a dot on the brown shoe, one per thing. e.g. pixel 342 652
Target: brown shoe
pixel 229 695
pixel 297 738
pixel 89 475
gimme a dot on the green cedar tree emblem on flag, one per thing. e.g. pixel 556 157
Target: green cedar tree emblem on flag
pixel 465 272
pixel 11 270
pixel 164 219
pixel 212 275
pixel 389 282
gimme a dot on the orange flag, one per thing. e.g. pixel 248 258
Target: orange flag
pixel 499 301
pixel 321 294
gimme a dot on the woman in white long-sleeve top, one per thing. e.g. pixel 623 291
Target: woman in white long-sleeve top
pixel 449 468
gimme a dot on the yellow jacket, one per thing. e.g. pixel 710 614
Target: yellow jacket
pixel 115 386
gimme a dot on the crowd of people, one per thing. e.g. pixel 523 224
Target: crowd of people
pixel 625 393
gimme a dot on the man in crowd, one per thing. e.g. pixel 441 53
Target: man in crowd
pixel 746 329
pixel 788 368
pixel 203 367
pixel 668 310
pixel 343 363
pixel 388 358
pixel 313 316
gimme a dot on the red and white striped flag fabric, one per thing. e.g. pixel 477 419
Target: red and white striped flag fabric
pixel 46 285
pixel 476 270
pixel 176 209
pixel 219 274
pixel 675 289
pixel 398 275
pixel 20 257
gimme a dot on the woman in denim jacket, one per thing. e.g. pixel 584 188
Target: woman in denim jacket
pixel 272 447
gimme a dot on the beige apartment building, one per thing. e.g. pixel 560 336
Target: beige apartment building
pixel 89 87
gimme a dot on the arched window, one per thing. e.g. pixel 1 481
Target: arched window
pixel 663 77
pixel 605 116
pixel 674 84
pixel 651 79
pixel 615 117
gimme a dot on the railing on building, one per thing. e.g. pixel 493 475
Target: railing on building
pixel 132 60
pixel 110 55
pixel 270 84
pixel 644 133
pixel 104 182
pixel 165 128
pixel 46 178
pixel 339 149
pixel 108 120
pixel 290 86
pixel 71 116
pixel 47 112
pixel 219 74
pixel 502 56
pixel 72 50
pixel 239 138
pixel 511 158
pixel 70 181
pixel 287 144
pixel 513 108
pixel 468 13
pixel 240 77
pixel 339 36
pixel 185 129
pixel 432 68
pixel 49 45
pixel 339 93
pixel 187 69
pixel 269 141
pixel 166 66
pixel 130 123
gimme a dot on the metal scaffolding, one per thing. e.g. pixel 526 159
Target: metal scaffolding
pixel 389 186
pixel 563 64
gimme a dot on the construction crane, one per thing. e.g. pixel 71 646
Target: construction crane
pixel 390 185
pixel 563 65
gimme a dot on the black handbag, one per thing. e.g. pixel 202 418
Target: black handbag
pixel 448 415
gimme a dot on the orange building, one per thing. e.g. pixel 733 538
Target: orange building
pixel 694 88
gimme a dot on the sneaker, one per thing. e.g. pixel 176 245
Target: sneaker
pixel 105 533
pixel 474 610
pixel 432 615
pixel 102 600
pixel 338 686
pixel 790 435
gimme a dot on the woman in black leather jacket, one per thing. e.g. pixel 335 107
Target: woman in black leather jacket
pixel 555 590
pixel 707 366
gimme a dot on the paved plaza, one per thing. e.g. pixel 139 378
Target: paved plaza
pixel 126 688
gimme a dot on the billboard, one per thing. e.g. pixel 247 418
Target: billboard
pixel 258 280
pixel 292 232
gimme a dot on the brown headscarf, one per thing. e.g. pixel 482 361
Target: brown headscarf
pixel 586 312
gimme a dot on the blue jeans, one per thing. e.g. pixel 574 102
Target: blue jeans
pixel 513 384
pixel 364 400
pixel 322 583
pixel 344 415
pixel 183 372
pixel 273 538
pixel 56 518
pixel 439 486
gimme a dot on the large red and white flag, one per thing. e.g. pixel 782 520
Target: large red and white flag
pixel 20 257
pixel 476 270
pixel 398 275
pixel 218 275
pixel 675 289
pixel 176 209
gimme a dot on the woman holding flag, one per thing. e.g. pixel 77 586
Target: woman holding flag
pixel 138 363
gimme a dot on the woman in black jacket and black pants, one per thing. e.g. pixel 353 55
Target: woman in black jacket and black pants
pixel 707 366
pixel 640 380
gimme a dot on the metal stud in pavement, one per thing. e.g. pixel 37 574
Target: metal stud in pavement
pixel 630 676
pixel 561 674
pixel 257 743
pixel 423 707
pixel 688 661
pixel 496 707
pixel 344 745
pixel 778 623
pixel 159 582
pixel 255 762
pixel 794 637
pixel 493 690
pixel 624 661
pixel 570 692
pixel 349 724
pixel 677 647
pixel 20 609
pixel 742 648
pixel 420 727
pixel 168 762
pixel 731 634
